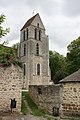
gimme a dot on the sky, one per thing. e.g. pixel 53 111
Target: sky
pixel 61 19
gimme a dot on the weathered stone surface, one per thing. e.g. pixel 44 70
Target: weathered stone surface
pixel 11 81
pixel 65 96
pixel 47 97
pixel 31 59
pixel 70 104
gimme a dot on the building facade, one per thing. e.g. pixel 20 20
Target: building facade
pixel 11 83
pixel 70 105
pixel 34 52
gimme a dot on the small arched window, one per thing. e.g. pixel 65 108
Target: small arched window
pixel 39 34
pixel 24 67
pixel 38 69
pixel 35 33
pixel 24 35
pixel 38 25
pixel 24 49
pixel 27 33
pixel 37 49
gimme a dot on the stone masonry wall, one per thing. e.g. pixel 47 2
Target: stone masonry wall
pixel 11 79
pixel 31 58
pixel 47 97
pixel 71 99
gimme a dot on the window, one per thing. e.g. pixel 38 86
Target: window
pixel 39 34
pixel 38 69
pixel 37 49
pixel 27 33
pixel 38 25
pixel 24 49
pixel 24 67
pixel 35 33
pixel 24 35
pixel 39 91
pixel 55 111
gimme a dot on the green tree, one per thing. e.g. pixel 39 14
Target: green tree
pixel 73 56
pixel 7 54
pixel 58 76
pixel 15 45
pixel 57 66
pixel 3 32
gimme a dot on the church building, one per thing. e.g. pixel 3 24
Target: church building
pixel 33 51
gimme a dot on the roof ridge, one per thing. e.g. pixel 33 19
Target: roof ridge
pixel 29 22
pixel 72 77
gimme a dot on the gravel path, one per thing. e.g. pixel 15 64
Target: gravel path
pixel 28 117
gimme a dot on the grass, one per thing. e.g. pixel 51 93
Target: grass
pixel 32 105
pixel 30 102
pixel 24 109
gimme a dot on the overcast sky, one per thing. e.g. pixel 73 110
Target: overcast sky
pixel 61 19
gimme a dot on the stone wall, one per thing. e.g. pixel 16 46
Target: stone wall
pixel 70 99
pixel 47 97
pixel 64 99
pixel 11 79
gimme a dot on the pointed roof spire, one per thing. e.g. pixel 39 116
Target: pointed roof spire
pixel 29 22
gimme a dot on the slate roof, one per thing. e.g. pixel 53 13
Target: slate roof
pixel 29 22
pixel 75 77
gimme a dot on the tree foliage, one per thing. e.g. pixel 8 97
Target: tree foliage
pixel 63 66
pixel 7 54
pixel 57 66
pixel 15 45
pixel 3 32
pixel 58 76
pixel 73 56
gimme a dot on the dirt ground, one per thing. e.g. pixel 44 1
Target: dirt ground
pixel 13 116
pixel 22 117
pixel 26 117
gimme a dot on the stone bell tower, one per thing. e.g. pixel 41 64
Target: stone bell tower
pixel 34 52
